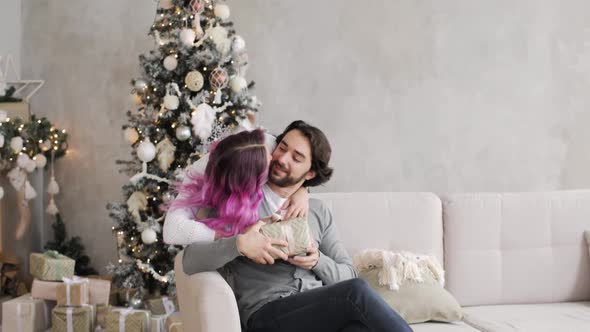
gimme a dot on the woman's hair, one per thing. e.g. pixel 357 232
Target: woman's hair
pixel 232 183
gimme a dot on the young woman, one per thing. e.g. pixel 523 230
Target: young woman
pixel 224 200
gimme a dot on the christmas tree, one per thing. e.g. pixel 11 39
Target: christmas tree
pixel 191 90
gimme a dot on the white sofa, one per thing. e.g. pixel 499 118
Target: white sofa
pixel 514 261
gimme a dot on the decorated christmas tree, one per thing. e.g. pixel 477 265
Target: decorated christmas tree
pixel 191 90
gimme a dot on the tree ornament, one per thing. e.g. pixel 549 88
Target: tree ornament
pixel 218 80
pixel 52 187
pixel 170 62
pixel 238 45
pixel 45 146
pixel 166 153
pixel 3 114
pixel 1 192
pixel 1 140
pixel 148 236
pixel 238 84
pixel 131 135
pixel 140 84
pixel 202 119
pixel 183 133
pixel 194 80
pixel 187 36
pixel 16 143
pixel 22 160
pixel 171 102
pixel 135 203
pixel 146 151
pixel 219 36
pixel 52 209
pixel 221 11
pixel 40 160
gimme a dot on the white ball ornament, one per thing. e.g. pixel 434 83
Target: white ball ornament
pixel 45 146
pixel 16 143
pixel 1 192
pixel 146 151
pixel 222 11
pixel 170 62
pixel 187 36
pixel 22 160
pixel 1 140
pixel 238 45
pixel 148 236
pixel 194 81
pixel 183 133
pixel 171 102
pixel 31 166
pixel 131 135
pixel 238 83
pixel 40 160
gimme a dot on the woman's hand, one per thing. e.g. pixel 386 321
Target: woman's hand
pixel 297 205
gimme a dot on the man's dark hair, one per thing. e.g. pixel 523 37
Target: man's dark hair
pixel 320 151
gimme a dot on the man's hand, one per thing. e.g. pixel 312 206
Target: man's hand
pixel 306 262
pixel 258 247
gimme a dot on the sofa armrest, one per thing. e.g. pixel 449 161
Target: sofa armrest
pixel 207 303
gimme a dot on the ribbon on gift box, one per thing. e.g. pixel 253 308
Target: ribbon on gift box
pixel 70 319
pixel 19 319
pixel 123 313
pixel 168 306
pixel 69 282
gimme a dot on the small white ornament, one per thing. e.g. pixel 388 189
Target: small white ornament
pixel 170 62
pixel 30 192
pixel 166 154
pixel 166 4
pixel 171 102
pixel 183 133
pixel 3 114
pixel 219 36
pixel 22 160
pixel 148 236
pixel 16 143
pixel 140 84
pixel 31 166
pixel 52 187
pixel 1 140
pixel 187 36
pixel 17 178
pixel 202 119
pixel 131 135
pixel 194 80
pixel 146 151
pixel 238 45
pixel 222 11
pixel 40 160
pixel 237 84
pixel 52 208
pixel 1 192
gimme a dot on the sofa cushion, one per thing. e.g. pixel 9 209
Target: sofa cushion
pixel 442 327
pixel 517 247
pixel 554 317
pixel 390 221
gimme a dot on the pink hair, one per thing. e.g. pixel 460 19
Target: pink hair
pixel 232 183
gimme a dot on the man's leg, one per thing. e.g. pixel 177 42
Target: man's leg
pixel 331 308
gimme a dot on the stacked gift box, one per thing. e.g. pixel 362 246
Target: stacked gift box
pixel 67 303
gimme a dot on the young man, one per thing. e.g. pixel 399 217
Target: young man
pixel 318 292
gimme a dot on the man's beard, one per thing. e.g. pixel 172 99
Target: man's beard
pixel 286 181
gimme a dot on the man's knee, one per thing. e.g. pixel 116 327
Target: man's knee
pixel 357 286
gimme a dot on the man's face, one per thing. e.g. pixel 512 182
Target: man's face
pixel 291 160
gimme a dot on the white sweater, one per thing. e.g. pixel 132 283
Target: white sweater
pixel 180 226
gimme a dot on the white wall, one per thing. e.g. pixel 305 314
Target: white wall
pixel 428 95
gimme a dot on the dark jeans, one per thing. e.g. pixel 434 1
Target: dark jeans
pixel 346 306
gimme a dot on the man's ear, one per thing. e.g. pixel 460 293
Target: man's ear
pixel 310 175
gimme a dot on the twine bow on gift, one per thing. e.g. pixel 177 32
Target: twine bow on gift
pixel 123 313
pixel 52 254
pixel 69 282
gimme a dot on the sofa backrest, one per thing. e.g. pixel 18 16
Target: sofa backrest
pixel 385 220
pixel 517 247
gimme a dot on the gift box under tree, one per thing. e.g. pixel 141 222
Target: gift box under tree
pixel 51 266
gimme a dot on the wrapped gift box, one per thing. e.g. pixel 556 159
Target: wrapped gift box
pixel 51 266
pixel 100 290
pixel 174 323
pixel 73 292
pixel 26 314
pixel 79 319
pixel 46 290
pixel 162 305
pixel 128 320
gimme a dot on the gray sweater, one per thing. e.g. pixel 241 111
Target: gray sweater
pixel 254 284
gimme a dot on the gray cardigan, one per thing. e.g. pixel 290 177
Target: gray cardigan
pixel 254 284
